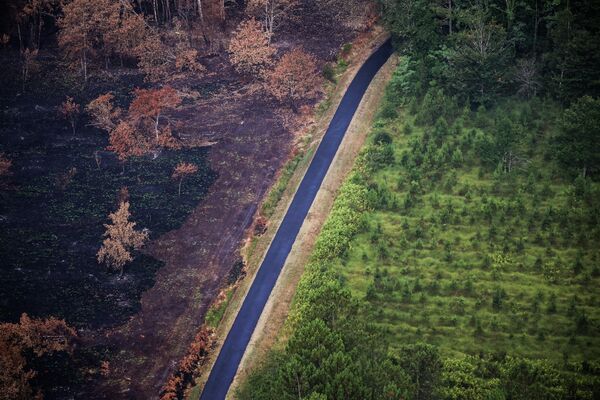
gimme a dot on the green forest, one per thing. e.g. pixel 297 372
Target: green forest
pixel 461 259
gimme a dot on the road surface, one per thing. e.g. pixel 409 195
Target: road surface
pixel 233 349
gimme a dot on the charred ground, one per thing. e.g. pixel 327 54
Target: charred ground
pixel 63 186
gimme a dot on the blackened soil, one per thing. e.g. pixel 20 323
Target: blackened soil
pixel 52 214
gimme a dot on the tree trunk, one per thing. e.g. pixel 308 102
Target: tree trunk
pixel 167 10
pixel 298 387
pixel 200 12
pixel 84 65
pixel 84 55
pixel 24 76
pixel 155 11
pixel 97 158
pixel 20 37
pixel 39 34
pixel 156 126
pixel 450 17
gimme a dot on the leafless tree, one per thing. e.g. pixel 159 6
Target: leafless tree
pixel 526 76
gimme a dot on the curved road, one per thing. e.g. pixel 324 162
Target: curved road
pixel 227 363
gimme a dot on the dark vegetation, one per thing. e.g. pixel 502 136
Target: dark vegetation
pixel 460 260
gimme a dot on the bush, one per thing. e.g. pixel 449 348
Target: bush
pixel 382 137
pixel 375 157
pixel 403 84
pixel 345 220
pixel 387 110
pixel 329 73
pixel 457 158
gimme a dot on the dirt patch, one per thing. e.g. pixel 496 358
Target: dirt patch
pixel 267 332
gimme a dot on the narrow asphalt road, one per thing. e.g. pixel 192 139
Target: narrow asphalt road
pixel 227 363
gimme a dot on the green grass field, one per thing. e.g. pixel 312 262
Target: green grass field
pixel 473 259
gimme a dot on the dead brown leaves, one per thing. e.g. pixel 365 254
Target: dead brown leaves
pixel 249 49
pixel 198 350
pixel 294 78
pixel 24 341
pixel 121 238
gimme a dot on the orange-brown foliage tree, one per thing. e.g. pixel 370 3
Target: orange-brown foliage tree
pixel 186 59
pixel 159 61
pixel 182 170
pixel 100 30
pixel 153 58
pixel 103 112
pixel 294 78
pixel 126 142
pixel 178 381
pixel 22 342
pixel 123 195
pixel 131 31
pixel 138 131
pixel 83 27
pixel 151 104
pixel 121 238
pixel 249 49
pixel 70 110
pixel 167 140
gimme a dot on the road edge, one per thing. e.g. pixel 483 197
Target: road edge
pixel 241 291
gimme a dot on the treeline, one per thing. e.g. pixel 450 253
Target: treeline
pixel 473 54
pixel 161 37
pixel 26 344
pixel 30 20
pixel 98 34
pixel 477 51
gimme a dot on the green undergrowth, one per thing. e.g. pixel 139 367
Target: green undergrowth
pixel 287 172
pixel 216 312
